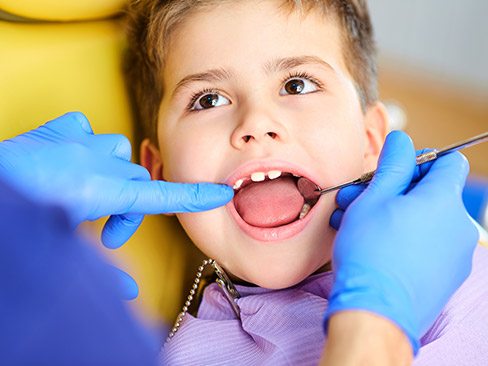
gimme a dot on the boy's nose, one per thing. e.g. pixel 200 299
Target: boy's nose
pixel 257 129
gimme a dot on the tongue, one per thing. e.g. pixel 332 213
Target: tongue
pixel 270 203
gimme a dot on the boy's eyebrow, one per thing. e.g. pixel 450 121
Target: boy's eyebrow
pixel 287 63
pixel 209 75
pixel 280 64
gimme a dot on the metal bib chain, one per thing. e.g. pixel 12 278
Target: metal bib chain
pixel 225 284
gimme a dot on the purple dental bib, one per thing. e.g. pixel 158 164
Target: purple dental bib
pixel 284 327
pixel 277 327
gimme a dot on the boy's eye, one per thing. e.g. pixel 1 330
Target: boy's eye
pixel 208 101
pixel 298 86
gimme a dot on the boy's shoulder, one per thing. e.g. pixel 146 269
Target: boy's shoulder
pixel 458 336
pixel 473 293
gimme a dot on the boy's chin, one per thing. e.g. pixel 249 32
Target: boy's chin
pixel 276 280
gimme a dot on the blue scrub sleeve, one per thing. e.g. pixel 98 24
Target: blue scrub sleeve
pixel 59 301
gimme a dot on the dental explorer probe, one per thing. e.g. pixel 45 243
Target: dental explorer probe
pixel 311 193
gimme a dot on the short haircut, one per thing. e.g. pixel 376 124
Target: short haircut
pixel 150 24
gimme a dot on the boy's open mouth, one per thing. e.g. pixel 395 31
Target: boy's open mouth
pixel 270 200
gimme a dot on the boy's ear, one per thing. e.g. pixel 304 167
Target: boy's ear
pixel 376 129
pixel 151 159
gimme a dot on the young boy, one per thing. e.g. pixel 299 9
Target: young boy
pixel 256 94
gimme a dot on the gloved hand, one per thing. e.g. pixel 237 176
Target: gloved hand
pixel 406 243
pixel 58 293
pixel 63 162
pixel 475 198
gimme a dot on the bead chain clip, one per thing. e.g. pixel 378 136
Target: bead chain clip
pixel 225 284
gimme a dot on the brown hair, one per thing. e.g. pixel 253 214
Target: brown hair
pixel 151 23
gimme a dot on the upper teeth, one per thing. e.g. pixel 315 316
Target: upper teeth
pixel 273 174
pixel 259 177
pixel 238 184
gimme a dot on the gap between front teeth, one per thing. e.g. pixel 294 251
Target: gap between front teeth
pixel 259 177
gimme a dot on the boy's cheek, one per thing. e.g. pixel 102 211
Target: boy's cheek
pixel 191 159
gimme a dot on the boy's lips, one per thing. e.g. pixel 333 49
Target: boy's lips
pixel 255 223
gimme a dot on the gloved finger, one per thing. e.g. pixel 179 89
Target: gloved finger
pixel 128 286
pixel 395 167
pixel 116 145
pixel 125 170
pixel 422 169
pixel 347 195
pixel 82 120
pixel 475 198
pixel 155 197
pixel 422 151
pixel 72 126
pixel 119 228
pixel 447 174
pixel 336 218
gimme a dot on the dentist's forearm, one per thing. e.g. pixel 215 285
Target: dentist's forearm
pixel 363 338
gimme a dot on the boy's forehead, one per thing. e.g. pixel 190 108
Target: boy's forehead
pixel 251 36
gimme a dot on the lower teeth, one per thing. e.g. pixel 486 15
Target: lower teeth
pixel 305 210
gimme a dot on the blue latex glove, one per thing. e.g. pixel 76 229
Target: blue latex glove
pixel 347 195
pixel 60 303
pixel 63 162
pixel 406 243
pixel 475 198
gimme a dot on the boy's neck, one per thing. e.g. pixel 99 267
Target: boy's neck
pixel 237 281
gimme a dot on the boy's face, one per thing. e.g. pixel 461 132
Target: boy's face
pixel 251 88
